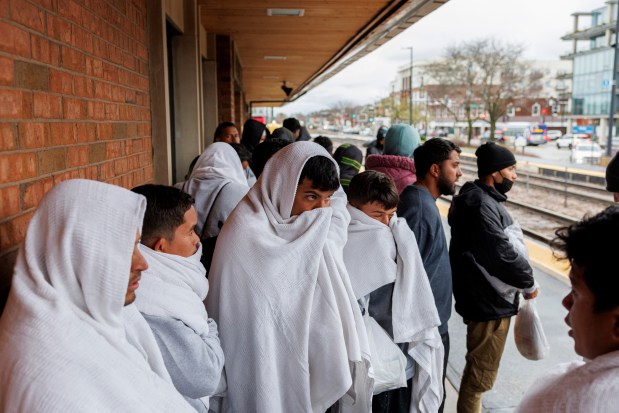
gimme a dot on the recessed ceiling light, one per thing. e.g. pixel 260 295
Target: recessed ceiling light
pixel 286 12
pixel 275 57
pixel 270 77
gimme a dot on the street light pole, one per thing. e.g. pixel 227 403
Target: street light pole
pixel 613 89
pixel 410 88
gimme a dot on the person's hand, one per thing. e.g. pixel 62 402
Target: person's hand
pixel 532 295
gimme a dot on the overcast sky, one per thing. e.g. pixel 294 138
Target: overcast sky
pixel 538 24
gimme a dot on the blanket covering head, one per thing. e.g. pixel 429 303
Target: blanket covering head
pixel 377 255
pixel 218 165
pixel 62 338
pixel 290 327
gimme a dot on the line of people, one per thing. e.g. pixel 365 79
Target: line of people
pixel 112 307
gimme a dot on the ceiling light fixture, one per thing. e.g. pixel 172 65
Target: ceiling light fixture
pixel 275 57
pixel 287 90
pixel 286 12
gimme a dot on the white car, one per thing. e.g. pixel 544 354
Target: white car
pixel 586 152
pixel 553 134
pixel 569 141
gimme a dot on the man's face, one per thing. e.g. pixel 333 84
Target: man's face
pixel 229 134
pixel 377 211
pixel 138 264
pixel 185 241
pixel 505 173
pixel 449 173
pixel 308 198
pixel 594 333
pixel 616 196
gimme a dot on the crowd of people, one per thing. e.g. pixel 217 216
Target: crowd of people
pixel 279 276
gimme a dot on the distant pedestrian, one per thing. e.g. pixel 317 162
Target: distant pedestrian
pixel 227 132
pixel 437 162
pixel 349 158
pixel 325 142
pixel 254 132
pixel 282 133
pixel 376 146
pixel 591 385
pixel 489 269
pixel 612 177
pixel 294 126
pixel 304 135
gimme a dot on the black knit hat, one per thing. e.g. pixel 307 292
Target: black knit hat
pixel 492 157
pixel 612 175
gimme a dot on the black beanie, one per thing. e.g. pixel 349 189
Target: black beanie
pixel 492 157
pixel 612 175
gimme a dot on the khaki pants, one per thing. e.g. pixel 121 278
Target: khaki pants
pixel 485 341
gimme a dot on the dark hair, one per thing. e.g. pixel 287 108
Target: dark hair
pixel 373 186
pixel 433 151
pixel 242 151
pixel 283 134
pixel 325 142
pixel 165 211
pixel 322 172
pixel 292 124
pixel 264 151
pixel 220 128
pixel 591 244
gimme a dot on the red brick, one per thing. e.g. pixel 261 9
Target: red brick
pixel 48 4
pixel 103 90
pixel 9 201
pixel 90 21
pixel 90 172
pixel 73 59
pixel 94 67
pixel 45 51
pixel 59 28
pixel 32 76
pixel 82 86
pixel 15 104
pixel 47 106
pixel 52 160
pixel 74 108
pixel 86 132
pixel 111 111
pixel 33 192
pixel 82 40
pixel 14 40
pixel 104 131
pixel 7 71
pixel 113 150
pixel 13 232
pixel 62 133
pixel 8 136
pixel 60 82
pixel 74 174
pixel 17 166
pixel 77 156
pixel 28 14
pixel 33 135
pixel 4 8
pixel 71 10
pixel 96 110
pixel 106 171
pixel 99 48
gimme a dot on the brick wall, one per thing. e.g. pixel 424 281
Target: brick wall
pixel 74 103
pixel 225 88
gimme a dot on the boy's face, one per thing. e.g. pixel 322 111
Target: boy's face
pixel 138 264
pixel 377 211
pixel 185 241
pixel 308 198
pixel 594 333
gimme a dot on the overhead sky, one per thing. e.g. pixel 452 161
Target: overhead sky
pixel 537 24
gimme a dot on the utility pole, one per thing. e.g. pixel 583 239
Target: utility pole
pixel 410 89
pixel 613 89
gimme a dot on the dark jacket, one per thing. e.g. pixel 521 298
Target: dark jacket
pixel 479 243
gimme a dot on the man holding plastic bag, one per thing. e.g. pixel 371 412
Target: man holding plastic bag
pixel 489 269
pixel 591 385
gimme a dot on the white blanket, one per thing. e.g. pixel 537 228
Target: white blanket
pixel 377 255
pixel 62 338
pixel 576 387
pixel 218 165
pixel 290 327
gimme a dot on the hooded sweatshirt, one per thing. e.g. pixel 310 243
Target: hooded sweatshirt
pixel 252 133
pixel 349 158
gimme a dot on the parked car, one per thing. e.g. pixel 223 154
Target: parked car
pixel 569 140
pixel 586 152
pixel 498 136
pixel 614 142
pixel 554 134
pixel 536 139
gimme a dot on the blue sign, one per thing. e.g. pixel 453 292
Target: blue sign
pixel 583 129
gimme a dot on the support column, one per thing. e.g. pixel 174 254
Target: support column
pixel 225 81
pixel 209 86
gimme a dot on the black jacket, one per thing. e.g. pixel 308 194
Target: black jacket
pixel 479 243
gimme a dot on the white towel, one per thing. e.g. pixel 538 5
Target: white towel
pixel 376 255
pixel 62 338
pixel 290 327
pixel 218 165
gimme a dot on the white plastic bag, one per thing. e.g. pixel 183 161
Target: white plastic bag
pixel 529 334
pixel 388 361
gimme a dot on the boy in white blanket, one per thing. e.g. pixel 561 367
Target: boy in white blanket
pixel 172 293
pixel 289 324
pixel 63 346
pixel 593 317
pixel 384 264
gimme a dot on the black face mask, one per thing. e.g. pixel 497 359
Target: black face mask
pixel 505 186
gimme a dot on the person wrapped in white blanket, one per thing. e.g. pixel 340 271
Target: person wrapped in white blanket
pixel 388 277
pixel 172 293
pixel 290 327
pixel 63 346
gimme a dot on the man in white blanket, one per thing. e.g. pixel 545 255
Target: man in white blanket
pixel 289 324
pixel 591 385
pixel 172 293
pixel 63 346
pixel 388 277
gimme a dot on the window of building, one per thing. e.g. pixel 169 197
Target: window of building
pixel 511 111
pixel 535 109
